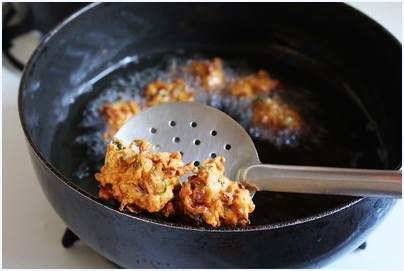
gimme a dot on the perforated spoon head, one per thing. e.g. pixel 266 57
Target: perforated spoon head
pixel 196 130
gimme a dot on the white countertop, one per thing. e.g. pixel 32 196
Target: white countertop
pixel 32 230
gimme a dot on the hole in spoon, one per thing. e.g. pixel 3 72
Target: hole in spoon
pixel 194 124
pixel 176 139
pixel 212 155
pixel 197 142
pixel 196 163
pixel 227 147
pixel 172 123
pixel 213 133
pixel 156 147
pixel 153 130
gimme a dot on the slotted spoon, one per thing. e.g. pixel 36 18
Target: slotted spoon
pixel 199 132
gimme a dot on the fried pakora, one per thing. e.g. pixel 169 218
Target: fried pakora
pixel 210 197
pixel 141 180
pixel 209 72
pixel 273 113
pixel 253 85
pixel 148 181
pixel 170 91
pixel 117 114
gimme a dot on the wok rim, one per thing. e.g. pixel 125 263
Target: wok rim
pixel 71 185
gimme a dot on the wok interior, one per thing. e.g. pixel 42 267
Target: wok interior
pixel 353 88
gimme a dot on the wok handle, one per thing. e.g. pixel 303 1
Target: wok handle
pixel 323 180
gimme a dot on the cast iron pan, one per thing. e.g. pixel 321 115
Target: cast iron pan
pixel 349 65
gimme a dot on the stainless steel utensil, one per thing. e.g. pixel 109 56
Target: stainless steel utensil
pixel 199 132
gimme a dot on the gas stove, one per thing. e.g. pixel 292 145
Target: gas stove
pixel 32 231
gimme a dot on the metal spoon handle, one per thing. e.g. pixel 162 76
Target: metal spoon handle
pixel 324 180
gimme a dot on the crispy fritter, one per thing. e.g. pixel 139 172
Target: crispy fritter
pixel 273 113
pixel 212 198
pixel 117 114
pixel 209 72
pixel 252 85
pixel 171 91
pixel 148 181
pixel 140 180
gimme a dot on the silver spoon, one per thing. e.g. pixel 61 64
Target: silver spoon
pixel 199 132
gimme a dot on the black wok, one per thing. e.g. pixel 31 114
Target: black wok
pixel 350 64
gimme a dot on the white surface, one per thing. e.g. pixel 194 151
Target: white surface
pixel 32 231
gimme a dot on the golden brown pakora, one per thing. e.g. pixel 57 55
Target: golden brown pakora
pixel 253 85
pixel 210 197
pixel 209 72
pixel 273 113
pixel 142 180
pixel 117 114
pixel 158 92
pixel 148 181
